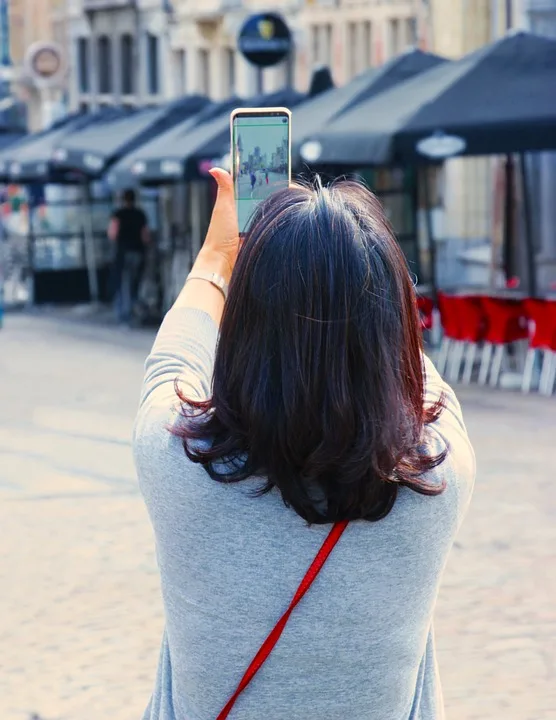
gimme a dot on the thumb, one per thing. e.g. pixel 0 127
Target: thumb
pixel 224 182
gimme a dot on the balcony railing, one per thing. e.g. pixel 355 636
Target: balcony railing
pixel 212 8
pixel 93 5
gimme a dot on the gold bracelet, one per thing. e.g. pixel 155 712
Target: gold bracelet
pixel 213 278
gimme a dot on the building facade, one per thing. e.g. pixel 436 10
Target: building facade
pixel 351 36
pixel 145 51
pixel 118 52
pixel 347 35
pixel 31 24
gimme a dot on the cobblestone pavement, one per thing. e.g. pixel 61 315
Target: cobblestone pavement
pixel 80 613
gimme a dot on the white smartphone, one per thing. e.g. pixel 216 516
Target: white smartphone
pixel 261 156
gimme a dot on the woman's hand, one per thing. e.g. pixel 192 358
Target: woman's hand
pixel 222 240
pixel 218 254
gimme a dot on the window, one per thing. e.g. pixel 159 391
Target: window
pixel 180 72
pixel 352 49
pixel 411 32
pixel 127 65
pixel 321 44
pixel 153 84
pixel 314 45
pixel 367 44
pixel 230 60
pixel 104 65
pixel 204 71
pixel 394 39
pixel 328 49
pixel 83 65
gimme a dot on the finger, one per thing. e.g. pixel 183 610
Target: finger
pixel 223 180
pixel 224 214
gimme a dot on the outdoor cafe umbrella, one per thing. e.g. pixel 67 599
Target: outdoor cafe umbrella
pixel 497 100
pixel 10 149
pixel 94 148
pixel 30 160
pixel 180 153
pixel 216 144
pixel 154 162
pixel 321 81
pixel 317 112
pixel 9 138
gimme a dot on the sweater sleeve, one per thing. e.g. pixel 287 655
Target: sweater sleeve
pixel 183 351
pixel 449 431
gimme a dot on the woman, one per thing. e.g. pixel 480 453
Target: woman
pixel 310 409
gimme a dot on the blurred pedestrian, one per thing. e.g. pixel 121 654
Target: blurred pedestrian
pixel 128 229
pixel 266 176
pixel 253 180
pixel 297 413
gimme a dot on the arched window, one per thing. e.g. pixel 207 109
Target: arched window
pixel 83 64
pixel 128 75
pixel 104 65
pixel 152 64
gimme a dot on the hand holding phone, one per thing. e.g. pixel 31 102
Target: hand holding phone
pixel 261 156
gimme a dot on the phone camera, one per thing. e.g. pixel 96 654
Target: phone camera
pixel 284 120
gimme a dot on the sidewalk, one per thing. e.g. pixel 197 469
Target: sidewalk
pixel 80 608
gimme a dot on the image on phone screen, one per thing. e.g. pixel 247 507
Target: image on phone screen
pixel 260 150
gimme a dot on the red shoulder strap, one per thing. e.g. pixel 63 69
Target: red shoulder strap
pixel 268 645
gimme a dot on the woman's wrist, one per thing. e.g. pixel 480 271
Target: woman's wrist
pixel 213 262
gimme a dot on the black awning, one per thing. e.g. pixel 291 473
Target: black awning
pixel 493 101
pixel 30 161
pixel 505 102
pixel 317 112
pixel 8 153
pixel 95 148
pixel 217 143
pixel 179 153
pixel 321 81
pixel 158 162
pixel 8 142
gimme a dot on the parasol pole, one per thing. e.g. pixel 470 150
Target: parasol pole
pixel 528 228
pixel 424 171
pixel 508 247
pixel 508 242
pixel 90 245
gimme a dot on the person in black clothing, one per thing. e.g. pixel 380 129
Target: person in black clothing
pixel 129 230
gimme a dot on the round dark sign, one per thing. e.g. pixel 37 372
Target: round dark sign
pixel 46 62
pixel 265 39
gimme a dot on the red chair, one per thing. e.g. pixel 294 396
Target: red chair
pixel 506 324
pixel 451 326
pixel 463 322
pixel 425 305
pixel 473 330
pixel 542 339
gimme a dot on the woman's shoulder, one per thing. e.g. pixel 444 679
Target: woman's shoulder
pixel 449 433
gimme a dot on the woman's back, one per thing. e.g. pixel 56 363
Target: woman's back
pixel 360 643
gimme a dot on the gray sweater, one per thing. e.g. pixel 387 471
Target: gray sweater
pixel 360 645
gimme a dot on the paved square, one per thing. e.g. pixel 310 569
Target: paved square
pixel 80 612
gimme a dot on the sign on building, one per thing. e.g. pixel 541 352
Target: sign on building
pixel 265 39
pixel 45 64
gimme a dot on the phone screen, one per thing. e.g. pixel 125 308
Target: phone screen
pixel 260 159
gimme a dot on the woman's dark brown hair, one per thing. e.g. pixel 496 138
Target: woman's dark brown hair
pixel 318 381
